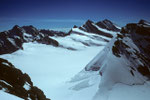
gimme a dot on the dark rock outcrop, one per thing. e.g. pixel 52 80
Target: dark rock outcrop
pixel 92 27
pixel 48 41
pixel 144 22
pixel 15 82
pixel 107 24
pixel 75 26
pixel 140 35
pixel 31 30
pixel 53 33
pixel 12 40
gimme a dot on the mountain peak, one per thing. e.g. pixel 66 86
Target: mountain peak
pixel 16 27
pixel 75 26
pixel 106 20
pixel 144 22
pixel 107 24
pixel 89 21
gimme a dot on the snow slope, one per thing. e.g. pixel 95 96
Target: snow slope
pixel 51 69
pixel 6 96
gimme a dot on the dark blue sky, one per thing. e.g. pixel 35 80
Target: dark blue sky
pixel 119 11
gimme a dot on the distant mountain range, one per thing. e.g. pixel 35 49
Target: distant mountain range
pixel 13 39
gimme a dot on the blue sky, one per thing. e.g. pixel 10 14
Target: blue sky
pixel 119 11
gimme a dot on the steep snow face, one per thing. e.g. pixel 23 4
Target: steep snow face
pixel 124 60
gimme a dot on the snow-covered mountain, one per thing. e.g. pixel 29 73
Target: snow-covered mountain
pixel 89 34
pixel 105 28
pixel 124 62
pixel 13 39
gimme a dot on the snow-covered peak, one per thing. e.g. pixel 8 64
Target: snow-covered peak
pixel 103 28
pixel 125 60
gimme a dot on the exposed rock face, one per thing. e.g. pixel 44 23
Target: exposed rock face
pixel 31 30
pixel 13 81
pixel 53 33
pixel 144 22
pixel 98 27
pixel 107 24
pixel 48 41
pixel 90 27
pixel 140 35
pixel 12 40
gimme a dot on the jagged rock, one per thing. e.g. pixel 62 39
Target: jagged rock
pixel 47 40
pixel 75 26
pixel 144 22
pixel 31 30
pixel 107 24
pixel 47 32
pixel 16 31
pixel 91 27
pixel 140 34
pixel 10 43
pixel 15 82
pixel 12 40
pixel 53 33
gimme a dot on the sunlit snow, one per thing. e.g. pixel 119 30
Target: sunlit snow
pixel 6 96
pixel 51 69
